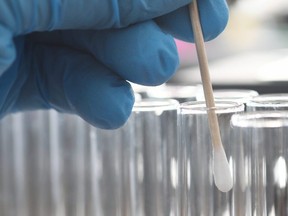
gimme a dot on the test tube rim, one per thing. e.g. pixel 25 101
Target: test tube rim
pixel 192 107
pixel 152 105
pixel 255 119
pixel 244 94
pixel 269 100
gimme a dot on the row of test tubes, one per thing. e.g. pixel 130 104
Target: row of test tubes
pixel 158 164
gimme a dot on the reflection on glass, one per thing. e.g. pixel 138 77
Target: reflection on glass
pixel 181 93
pixel 260 162
pixel 199 194
pixel 139 162
pixel 280 175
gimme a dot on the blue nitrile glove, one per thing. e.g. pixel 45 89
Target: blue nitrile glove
pixel 75 56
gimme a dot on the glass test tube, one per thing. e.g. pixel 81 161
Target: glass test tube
pixel 24 174
pixel 13 167
pixel 137 165
pixel 46 165
pixel 199 194
pixel 36 127
pixel 69 164
pixel 260 163
pixel 50 167
pixel 268 102
pixel 110 171
pixel 157 157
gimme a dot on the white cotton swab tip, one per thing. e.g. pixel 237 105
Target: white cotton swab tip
pixel 222 175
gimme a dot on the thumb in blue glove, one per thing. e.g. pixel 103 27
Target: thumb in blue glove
pixel 83 71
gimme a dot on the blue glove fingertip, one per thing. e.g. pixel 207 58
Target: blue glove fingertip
pixel 214 16
pixel 105 105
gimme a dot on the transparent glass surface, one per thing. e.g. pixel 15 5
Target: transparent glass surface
pixel 24 159
pixel 268 102
pixel 199 195
pixel 138 163
pixel 57 164
pixel 260 163
pixel 43 164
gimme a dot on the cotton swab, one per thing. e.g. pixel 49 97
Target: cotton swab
pixel 222 174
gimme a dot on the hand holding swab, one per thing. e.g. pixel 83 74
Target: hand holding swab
pixel 222 174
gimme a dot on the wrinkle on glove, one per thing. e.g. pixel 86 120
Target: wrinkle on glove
pixel 142 53
pixel 71 81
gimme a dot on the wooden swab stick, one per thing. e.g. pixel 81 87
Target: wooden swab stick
pixel 222 174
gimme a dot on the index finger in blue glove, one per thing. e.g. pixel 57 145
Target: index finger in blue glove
pixel 214 16
pixel 25 16
pixel 141 53
pixel 20 17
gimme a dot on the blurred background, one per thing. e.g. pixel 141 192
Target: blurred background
pixel 252 52
pixel 54 164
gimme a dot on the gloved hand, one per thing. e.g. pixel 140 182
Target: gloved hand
pixel 75 56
